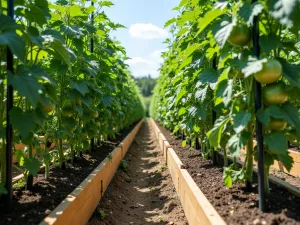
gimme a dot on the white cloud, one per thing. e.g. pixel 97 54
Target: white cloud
pixel 138 60
pixel 156 55
pixel 147 31
pixel 140 66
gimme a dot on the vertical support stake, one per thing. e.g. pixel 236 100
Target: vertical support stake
pixel 9 130
pixel 214 117
pixel 259 131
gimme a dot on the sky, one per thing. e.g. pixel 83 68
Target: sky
pixel 144 34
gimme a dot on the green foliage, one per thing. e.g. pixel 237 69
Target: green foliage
pixel 210 65
pixel 63 90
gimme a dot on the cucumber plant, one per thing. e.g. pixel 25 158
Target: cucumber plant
pixel 63 91
pixel 190 87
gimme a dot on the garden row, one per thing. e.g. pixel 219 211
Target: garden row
pixel 206 200
pixel 63 83
pixel 231 74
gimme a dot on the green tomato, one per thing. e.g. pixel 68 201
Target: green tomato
pixel 274 94
pixel 277 124
pixel 239 36
pixel 270 73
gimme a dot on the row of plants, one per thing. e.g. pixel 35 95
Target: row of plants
pixel 71 83
pixel 210 73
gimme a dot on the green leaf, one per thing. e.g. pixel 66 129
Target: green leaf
pixel 209 75
pixel 20 157
pixel 196 128
pixel 180 95
pixel 227 177
pixel 34 36
pixel 35 14
pixel 208 18
pixel 169 22
pixel 183 143
pixel 265 114
pixel 75 10
pixel 224 90
pixel 241 120
pixel 181 111
pixel 277 142
pixel 248 12
pixel 291 115
pixel 201 94
pixel 15 43
pixel 215 134
pixel 223 34
pixel 106 3
pixel 80 86
pixel 2 189
pixel 286 160
pixel 270 42
pixel 185 62
pixel 291 72
pixel 26 85
pixel 253 66
pixel 24 122
pixel 237 142
pixel 32 165
pixel 286 11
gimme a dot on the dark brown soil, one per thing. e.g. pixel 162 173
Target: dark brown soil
pixel 31 207
pixel 235 205
pixel 144 194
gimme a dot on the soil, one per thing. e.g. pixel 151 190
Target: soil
pixel 295 181
pixel 235 205
pixel 31 207
pixel 144 194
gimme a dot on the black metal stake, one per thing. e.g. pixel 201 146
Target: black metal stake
pixel 259 131
pixel 214 117
pixel 92 51
pixel 183 136
pixel 197 144
pixel 9 130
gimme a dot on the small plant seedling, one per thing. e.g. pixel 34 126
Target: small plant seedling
pixel 161 218
pixel 109 156
pixel 124 165
pixel 101 214
pixel 20 184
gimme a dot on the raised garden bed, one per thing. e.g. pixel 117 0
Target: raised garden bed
pixel 197 208
pixel 235 205
pixel 70 196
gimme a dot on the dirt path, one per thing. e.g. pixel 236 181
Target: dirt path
pixel 144 194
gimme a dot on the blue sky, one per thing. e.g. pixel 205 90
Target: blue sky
pixel 144 35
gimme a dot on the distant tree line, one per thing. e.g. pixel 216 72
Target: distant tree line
pixel 146 85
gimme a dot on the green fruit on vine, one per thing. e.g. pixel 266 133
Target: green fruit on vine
pixel 95 114
pixel 239 36
pixel 48 108
pixel 270 73
pixel 98 124
pixel 67 112
pixel 274 94
pixel 277 124
pixel 85 134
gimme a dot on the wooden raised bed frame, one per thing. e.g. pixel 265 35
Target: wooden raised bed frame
pixel 196 206
pixel 78 207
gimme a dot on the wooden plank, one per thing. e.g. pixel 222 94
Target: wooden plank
pixel 174 165
pixel 78 207
pixel 295 170
pixel 197 208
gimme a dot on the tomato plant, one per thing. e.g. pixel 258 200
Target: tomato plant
pixel 210 66
pixel 63 90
